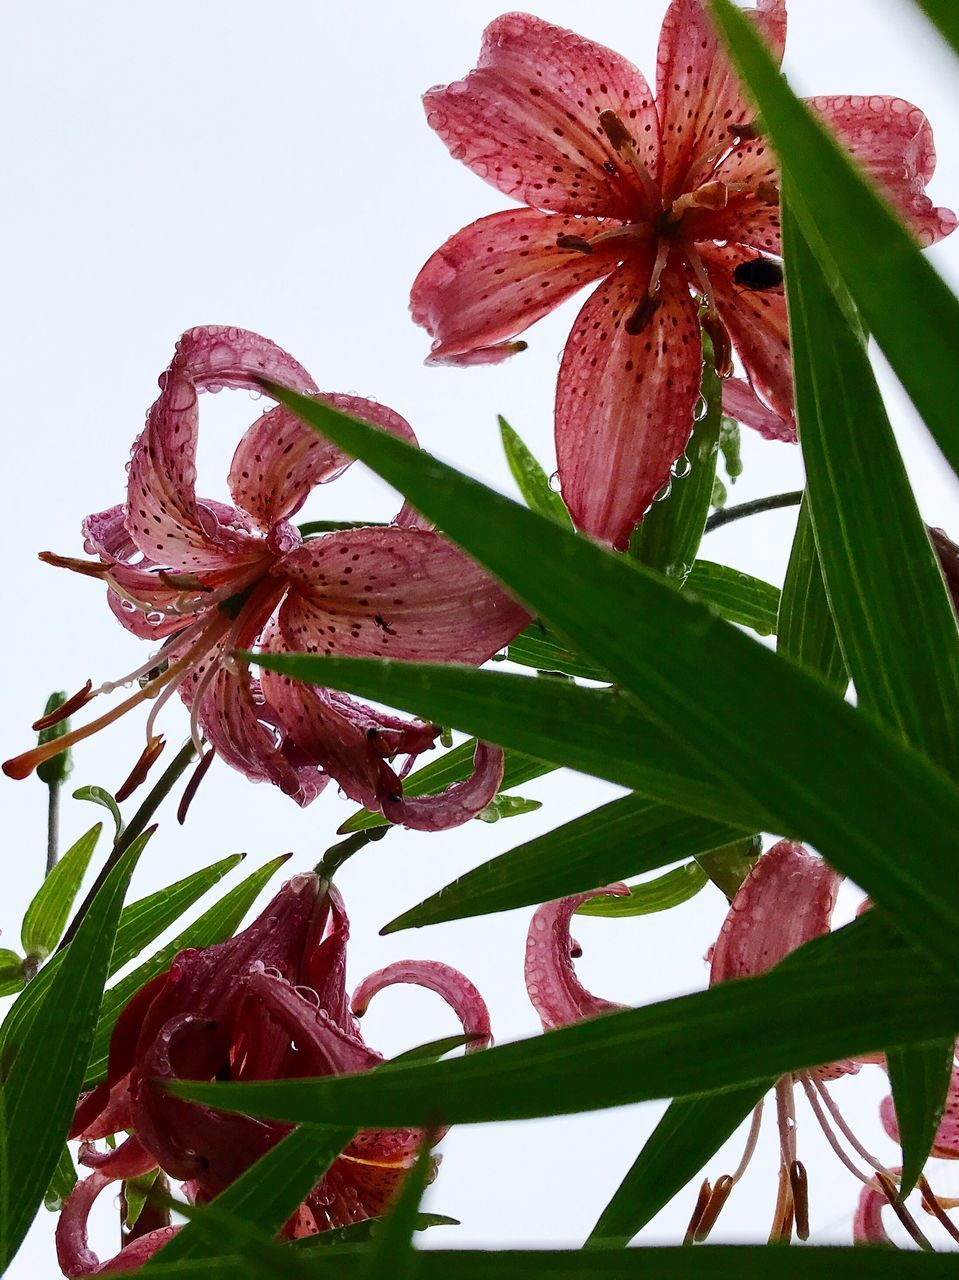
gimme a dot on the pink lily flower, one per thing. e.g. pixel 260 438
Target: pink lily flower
pixel 786 900
pixel 269 1004
pixel 670 201
pixel 202 579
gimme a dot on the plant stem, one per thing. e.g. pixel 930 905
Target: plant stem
pixel 754 508
pixel 53 825
pixel 331 526
pixel 337 854
pixel 136 826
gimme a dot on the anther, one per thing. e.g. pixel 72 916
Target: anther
pixel 767 192
pixel 619 136
pixel 79 699
pixel 191 788
pixel 151 753
pixel 642 315
pixel 89 568
pixel 722 345
pixel 714 1207
pixel 745 132
pixel 702 1200
pixel 799 1182
pixel 578 244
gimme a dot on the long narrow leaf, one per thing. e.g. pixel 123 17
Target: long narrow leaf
pixel 46 916
pixel 531 480
pixel 737 596
pixel 663 893
pixel 806 630
pixel 920 1075
pixel 945 15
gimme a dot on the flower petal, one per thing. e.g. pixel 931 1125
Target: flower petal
pixel 128 1160
pixel 74 1254
pixel 624 401
pixel 280 459
pixel 893 142
pixel 742 403
pixel 867 1225
pixel 499 275
pixel 787 899
pixel 456 989
pixel 457 804
pixel 526 119
pixel 758 325
pixel 697 91
pixel 215 356
pixel 551 982
pixel 323 1047
pixel 394 593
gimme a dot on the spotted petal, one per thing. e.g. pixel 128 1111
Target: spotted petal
pixel 456 989
pixel 556 993
pixel 457 803
pixel 526 119
pixel 742 403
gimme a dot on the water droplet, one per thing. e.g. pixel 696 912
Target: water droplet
pixel 555 483
pixel 127 606
pixel 155 617
pixel 664 491
pixel 681 467
pixel 702 408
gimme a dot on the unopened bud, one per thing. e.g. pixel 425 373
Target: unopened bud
pixel 56 769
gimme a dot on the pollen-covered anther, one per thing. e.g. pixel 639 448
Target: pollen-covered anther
pixel 151 753
pixel 714 1207
pixel 578 244
pixel 799 1183
pixel 642 315
pixel 66 709
pixel 702 1200
pixel 619 136
pixel 89 568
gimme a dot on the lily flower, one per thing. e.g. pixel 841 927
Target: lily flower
pixel 201 579
pixel 670 201
pixel 269 1004
pixel 786 900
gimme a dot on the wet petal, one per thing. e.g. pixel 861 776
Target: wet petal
pixel 526 118
pixel 129 1160
pixel 499 275
pixel 697 91
pixel 217 356
pixel 624 401
pixel 281 459
pixel 867 1225
pixel 456 989
pixel 458 803
pixel 758 325
pixel 742 403
pixel 787 899
pixel 74 1254
pixel 323 1047
pixel 394 593
pixel 893 142
pixel 551 982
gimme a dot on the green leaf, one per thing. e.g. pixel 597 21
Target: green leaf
pixel 945 16
pixel 920 1075
pixel 541 648
pixel 531 479
pixel 62 1183
pixel 894 616
pixel 504 806
pixel 363 1232
pixel 671 890
pixel 42 1070
pixel 824 1005
pixel 625 838
pixel 806 631
pixel 391 1253
pixel 102 797
pixel 452 767
pixel 776 735
pixel 47 914
pixel 215 925
pixel 136 1192
pixel 738 596
pixel 669 536
pixel 11 972
pixel 906 305
pixel 690 1133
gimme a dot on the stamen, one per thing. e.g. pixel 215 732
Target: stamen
pixel 66 709
pixel 751 1141
pixel 151 753
pixel 714 1208
pixel 722 344
pixel 624 144
pixel 845 1129
pixel 702 1200
pixel 199 693
pixel 890 1191
pixel 579 244
pixel 827 1131
pixel 799 1184
pixel 745 132
pixel 711 195
pixel 696 262
pixel 782 1224
pixel 199 773
pixel 89 568
pixel 641 317
pixel 932 1204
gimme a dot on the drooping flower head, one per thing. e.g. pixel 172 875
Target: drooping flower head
pixel 786 900
pixel 671 201
pixel 269 1004
pixel 200 579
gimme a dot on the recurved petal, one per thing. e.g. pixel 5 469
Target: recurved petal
pixel 526 119
pixel 280 459
pixel 556 993
pixel 324 1048
pixel 697 91
pixel 625 398
pixel 394 593
pixel 758 325
pixel 867 1225
pixel 74 1254
pixel 893 142
pixel 457 804
pixel 742 403
pixel 499 275
pixel 787 899
pixel 215 356
pixel 456 989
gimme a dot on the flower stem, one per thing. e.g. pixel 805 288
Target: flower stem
pixel 53 825
pixel 136 826
pixel 754 508
pixel 339 853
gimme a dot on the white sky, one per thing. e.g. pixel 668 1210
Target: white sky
pixel 269 166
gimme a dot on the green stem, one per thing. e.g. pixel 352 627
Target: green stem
pixel 337 854
pixel 53 825
pixel 135 827
pixel 754 508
